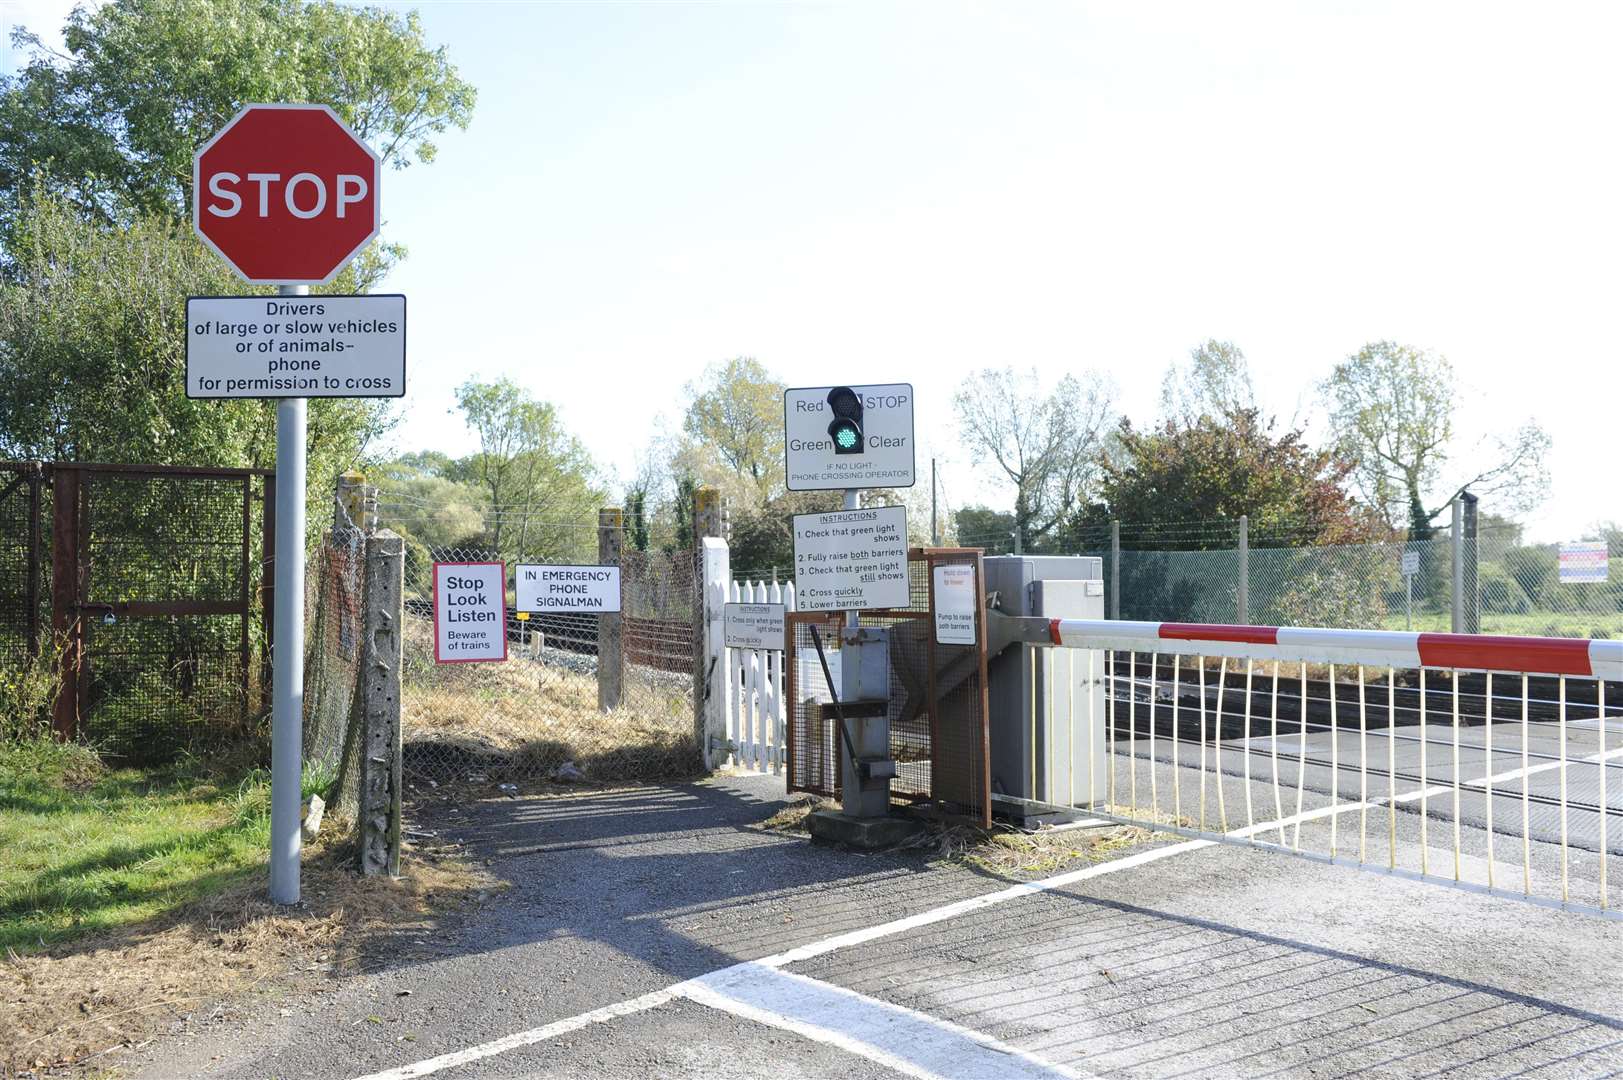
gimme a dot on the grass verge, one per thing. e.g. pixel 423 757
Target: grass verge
pixel 132 903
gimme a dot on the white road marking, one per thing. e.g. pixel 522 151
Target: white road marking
pixel 899 1038
pixel 976 903
pixel 713 990
pixel 699 988
pixel 530 1037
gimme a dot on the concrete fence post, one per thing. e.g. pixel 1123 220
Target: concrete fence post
pixel 1243 593
pixel 611 657
pixel 711 578
pixel 379 777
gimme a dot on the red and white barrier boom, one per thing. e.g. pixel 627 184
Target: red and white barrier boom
pixel 1373 648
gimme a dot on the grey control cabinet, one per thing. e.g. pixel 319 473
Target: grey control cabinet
pixel 1047 704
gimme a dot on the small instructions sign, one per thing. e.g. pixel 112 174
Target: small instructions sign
pixel 470 612
pixel 296 346
pixel 1583 561
pixel 753 626
pixel 955 605
pixel 851 559
pixel 1411 563
pixel 540 587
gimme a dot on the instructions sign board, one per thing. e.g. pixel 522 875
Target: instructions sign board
pixel 752 626
pixel 296 346
pixel 886 459
pixel 1583 561
pixel 567 588
pixel 954 605
pixel 1411 563
pixel 851 559
pixel 470 621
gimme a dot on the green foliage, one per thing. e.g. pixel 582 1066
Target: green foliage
pixel 92 356
pixel 1050 446
pixel 1392 412
pixel 1324 596
pixel 1500 591
pixel 28 687
pixel 763 540
pixel 430 509
pixel 1221 467
pixel 540 480
pixel 734 427
pixel 983 527
pixel 112 124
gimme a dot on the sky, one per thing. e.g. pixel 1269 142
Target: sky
pixel 899 192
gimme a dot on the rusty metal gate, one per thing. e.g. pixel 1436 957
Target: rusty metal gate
pixel 939 733
pixel 158 591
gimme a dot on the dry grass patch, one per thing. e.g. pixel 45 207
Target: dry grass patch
pixel 525 718
pixel 66 1007
pixel 1002 850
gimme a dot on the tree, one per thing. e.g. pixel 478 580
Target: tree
pixel 92 355
pixel 1048 445
pixel 983 527
pixel 1215 382
pixel 111 123
pixel 1392 412
pixel 734 417
pixel 539 477
pixel 1222 467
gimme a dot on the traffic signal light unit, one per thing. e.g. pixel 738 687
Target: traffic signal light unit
pixel 846 427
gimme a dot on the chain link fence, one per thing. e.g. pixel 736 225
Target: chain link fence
pixel 1518 586
pixel 537 716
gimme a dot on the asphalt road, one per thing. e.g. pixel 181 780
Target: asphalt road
pixel 657 933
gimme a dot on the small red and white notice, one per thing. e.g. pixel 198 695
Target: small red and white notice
pixel 470 612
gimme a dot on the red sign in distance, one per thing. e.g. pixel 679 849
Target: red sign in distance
pixel 286 194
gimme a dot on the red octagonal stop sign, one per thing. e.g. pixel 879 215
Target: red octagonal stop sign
pixel 286 194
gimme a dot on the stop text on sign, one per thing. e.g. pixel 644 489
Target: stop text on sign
pixel 227 202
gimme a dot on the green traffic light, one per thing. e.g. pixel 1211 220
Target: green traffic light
pixel 845 436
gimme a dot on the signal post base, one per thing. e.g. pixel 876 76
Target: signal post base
pixel 864 834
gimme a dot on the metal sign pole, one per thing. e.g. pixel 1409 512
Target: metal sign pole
pixel 851 497
pixel 287 716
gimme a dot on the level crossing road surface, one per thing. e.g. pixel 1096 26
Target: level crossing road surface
pixel 658 932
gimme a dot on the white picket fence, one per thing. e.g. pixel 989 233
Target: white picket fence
pixel 755 714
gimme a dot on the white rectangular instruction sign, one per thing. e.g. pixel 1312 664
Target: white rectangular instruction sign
pixel 955 605
pixel 544 587
pixel 470 612
pixel 885 458
pixel 851 559
pixel 296 346
pixel 752 626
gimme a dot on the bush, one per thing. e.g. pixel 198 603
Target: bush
pixel 1501 593
pixel 28 688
